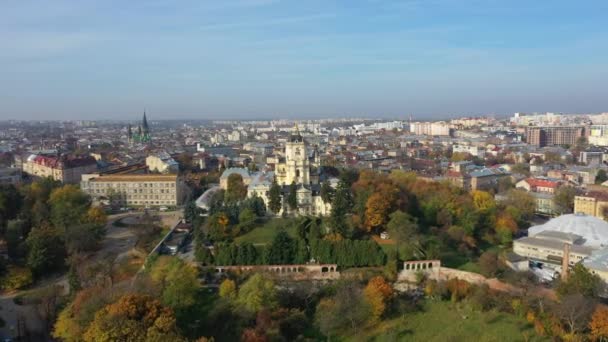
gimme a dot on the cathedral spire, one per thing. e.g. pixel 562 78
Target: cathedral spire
pixel 144 123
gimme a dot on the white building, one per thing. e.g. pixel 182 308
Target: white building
pixel 162 162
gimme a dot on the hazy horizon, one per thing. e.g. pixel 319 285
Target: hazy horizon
pixel 251 59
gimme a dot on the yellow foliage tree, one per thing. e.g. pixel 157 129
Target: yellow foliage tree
pixel 228 289
pixel 376 210
pixel 377 293
pixel 96 215
pixel 482 200
pixel 133 318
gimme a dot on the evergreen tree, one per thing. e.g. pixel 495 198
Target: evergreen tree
pixel 274 198
pixel 282 249
pixel 601 176
pixel 292 197
pixel 302 256
pixel 327 192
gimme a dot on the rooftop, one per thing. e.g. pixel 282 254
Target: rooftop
pixel 594 231
pixel 136 178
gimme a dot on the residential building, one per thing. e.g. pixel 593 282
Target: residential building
pixel 162 162
pixel 149 190
pixel 554 135
pixel 598 135
pixel 593 203
pixel 62 168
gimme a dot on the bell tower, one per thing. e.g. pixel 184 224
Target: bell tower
pixel 296 159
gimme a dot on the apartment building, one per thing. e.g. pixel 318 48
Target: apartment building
pixel 147 190
pixel 63 168
pixel 554 135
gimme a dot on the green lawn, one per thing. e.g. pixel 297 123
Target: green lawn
pixel 446 321
pixel 264 234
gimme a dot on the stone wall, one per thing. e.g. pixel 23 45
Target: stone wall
pixel 432 269
pixel 295 272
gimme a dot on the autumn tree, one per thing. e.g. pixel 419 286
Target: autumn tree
pixel 599 324
pixel 257 293
pixel 96 215
pixel 506 226
pixel 377 294
pixel 377 209
pixel 274 197
pixel 483 200
pixel 227 289
pixel 133 318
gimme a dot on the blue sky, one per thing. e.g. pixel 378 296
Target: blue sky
pixel 268 58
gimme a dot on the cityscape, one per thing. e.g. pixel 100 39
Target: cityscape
pixel 270 170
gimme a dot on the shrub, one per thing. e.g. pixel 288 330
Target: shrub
pixel 17 278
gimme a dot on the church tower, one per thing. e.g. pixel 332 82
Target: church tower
pixel 296 160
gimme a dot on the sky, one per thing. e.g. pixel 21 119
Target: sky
pixel 248 59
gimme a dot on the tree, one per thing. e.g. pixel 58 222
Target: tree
pixel 346 310
pixel 68 206
pixel 274 198
pixel 564 199
pixel 247 220
pixel 482 200
pixel 236 190
pixel 601 176
pixel 96 216
pixel 599 324
pixel 46 250
pixel 505 227
pixel 581 281
pixel 522 202
pixel 376 210
pixel 327 192
pixel 575 310
pixel 488 264
pixel 133 318
pixel 84 237
pixel 15 233
pixel 10 203
pixel 402 228
pixel 343 199
pixel 257 293
pixel 292 196
pixel 282 249
pixel 177 280
pixel 228 289
pixel 377 293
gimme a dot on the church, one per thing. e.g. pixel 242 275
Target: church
pixel 142 136
pixel 300 165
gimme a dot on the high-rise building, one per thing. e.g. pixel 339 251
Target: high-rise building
pixel 554 135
